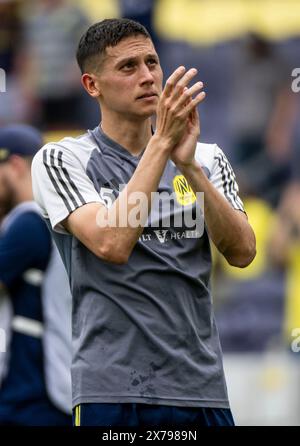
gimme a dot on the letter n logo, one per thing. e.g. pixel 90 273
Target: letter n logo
pixel 184 192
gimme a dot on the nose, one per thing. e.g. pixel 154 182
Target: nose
pixel 146 76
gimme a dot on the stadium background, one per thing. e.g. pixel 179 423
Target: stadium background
pixel 245 51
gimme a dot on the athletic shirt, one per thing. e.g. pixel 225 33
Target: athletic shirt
pixel 25 255
pixel 143 331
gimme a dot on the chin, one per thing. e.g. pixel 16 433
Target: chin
pixel 147 113
pixel 141 112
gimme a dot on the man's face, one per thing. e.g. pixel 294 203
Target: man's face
pixel 130 78
pixel 7 194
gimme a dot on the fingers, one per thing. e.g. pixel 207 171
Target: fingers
pixel 193 103
pixel 173 79
pixel 177 106
pixel 178 80
pixel 188 93
pixel 183 82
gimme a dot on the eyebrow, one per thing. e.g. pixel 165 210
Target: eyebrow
pixel 134 58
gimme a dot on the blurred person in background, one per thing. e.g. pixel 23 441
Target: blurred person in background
pixel 250 302
pixel 260 307
pixel 285 254
pixel 262 118
pixel 35 301
pixel 51 31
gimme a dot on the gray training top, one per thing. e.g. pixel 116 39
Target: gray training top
pixel 145 331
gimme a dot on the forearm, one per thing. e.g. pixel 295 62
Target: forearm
pixel 124 221
pixel 172 117
pixel 285 112
pixel 227 228
pixel 279 243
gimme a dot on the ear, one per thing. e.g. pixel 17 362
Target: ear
pixel 90 84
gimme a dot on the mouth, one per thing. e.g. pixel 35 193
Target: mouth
pixel 148 96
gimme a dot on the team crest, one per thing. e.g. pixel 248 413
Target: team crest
pixel 184 192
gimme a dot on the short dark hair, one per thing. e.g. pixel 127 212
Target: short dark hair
pixel 98 37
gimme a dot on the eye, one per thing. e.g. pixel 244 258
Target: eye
pixel 127 66
pixel 152 61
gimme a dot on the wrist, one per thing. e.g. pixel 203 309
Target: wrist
pixel 191 167
pixel 160 143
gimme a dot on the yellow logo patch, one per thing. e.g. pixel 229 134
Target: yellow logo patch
pixel 184 192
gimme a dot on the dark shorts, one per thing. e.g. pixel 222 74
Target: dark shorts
pixel 136 414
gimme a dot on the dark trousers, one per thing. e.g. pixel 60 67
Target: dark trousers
pixel 136 414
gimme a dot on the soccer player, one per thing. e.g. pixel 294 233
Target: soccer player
pixel 35 382
pixel 146 347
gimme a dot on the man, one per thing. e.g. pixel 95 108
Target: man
pixel 34 374
pixel 146 348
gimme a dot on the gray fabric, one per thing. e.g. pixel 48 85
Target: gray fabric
pixel 145 331
pixel 57 339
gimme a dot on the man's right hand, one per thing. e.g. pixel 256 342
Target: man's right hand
pixel 175 105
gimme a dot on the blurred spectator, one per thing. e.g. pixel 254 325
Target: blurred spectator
pixel 51 33
pixel 35 301
pixel 251 301
pixel 262 118
pixel 285 253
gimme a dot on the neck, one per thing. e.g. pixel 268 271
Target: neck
pixel 132 135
